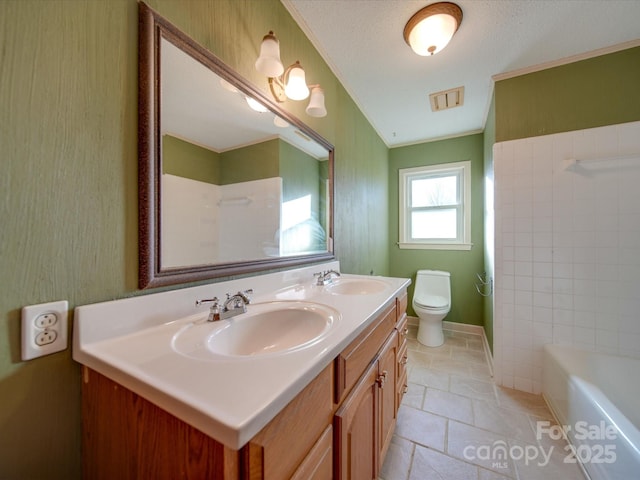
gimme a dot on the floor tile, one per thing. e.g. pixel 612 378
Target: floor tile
pixel 523 402
pixel 448 405
pixel 421 427
pixel 419 359
pixel 453 420
pixel 414 396
pixel 473 388
pixel 549 463
pixel 429 378
pixel 398 461
pixel 428 464
pixel 484 474
pixel 510 423
pixel 480 447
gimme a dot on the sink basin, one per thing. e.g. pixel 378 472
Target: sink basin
pixel 266 329
pixel 356 286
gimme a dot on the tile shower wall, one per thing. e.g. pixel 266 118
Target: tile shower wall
pixel 567 248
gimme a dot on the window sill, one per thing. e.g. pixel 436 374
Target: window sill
pixel 435 246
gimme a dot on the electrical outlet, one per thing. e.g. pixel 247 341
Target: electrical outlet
pixel 44 329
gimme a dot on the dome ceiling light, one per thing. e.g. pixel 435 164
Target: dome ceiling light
pixel 430 29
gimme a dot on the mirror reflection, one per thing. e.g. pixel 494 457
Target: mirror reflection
pixel 238 182
pixel 229 182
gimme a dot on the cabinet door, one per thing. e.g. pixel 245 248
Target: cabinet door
pixel 291 438
pixel 356 426
pixel 387 381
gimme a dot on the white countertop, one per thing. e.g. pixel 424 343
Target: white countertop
pixel 230 399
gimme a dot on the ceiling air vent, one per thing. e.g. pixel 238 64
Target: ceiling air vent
pixel 447 99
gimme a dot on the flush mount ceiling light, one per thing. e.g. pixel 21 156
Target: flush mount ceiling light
pixel 430 29
pixel 290 82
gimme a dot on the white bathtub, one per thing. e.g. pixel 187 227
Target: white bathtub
pixel 597 397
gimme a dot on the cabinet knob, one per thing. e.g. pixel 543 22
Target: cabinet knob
pixel 404 360
pixel 405 331
pixel 382 379
pixel 405 389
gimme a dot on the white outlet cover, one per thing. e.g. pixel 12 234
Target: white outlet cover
pixel 30 330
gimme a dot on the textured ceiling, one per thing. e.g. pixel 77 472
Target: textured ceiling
pixel 362 42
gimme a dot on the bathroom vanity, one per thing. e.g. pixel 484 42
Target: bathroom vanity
pixel 162 399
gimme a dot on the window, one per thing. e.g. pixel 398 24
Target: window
pixel 435 206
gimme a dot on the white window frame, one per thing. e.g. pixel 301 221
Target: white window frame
pixel 463 171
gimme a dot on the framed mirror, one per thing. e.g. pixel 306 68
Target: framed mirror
pixel 229 183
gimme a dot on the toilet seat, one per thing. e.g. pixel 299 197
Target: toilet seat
pixel 431 301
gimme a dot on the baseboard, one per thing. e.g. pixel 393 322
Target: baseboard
pixel 464 328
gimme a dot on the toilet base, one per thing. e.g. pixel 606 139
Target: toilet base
pixel 430 334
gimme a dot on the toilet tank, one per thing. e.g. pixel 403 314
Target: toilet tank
pixel 434 282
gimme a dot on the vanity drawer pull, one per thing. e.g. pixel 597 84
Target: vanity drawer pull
pixel 405 388
pixel 382 379
pixel 404 360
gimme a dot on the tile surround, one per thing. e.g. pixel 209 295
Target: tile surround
pixel 567 248
pixel 447 410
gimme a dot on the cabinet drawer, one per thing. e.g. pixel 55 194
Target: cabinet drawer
pixel 403 386
pixel 402 360
pixel 318 465
pixel 353 361
pixel 402 326
pixel 401 304
pixel 280 447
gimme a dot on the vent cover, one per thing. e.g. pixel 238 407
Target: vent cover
pixel 447 99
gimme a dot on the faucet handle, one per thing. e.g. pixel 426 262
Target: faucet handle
pixel 213 300
pixel 214 311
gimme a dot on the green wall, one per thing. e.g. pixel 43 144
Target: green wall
pixel 68 136
pixel 466 303
pixel 253 162
pixel 185 159
pixel 590 93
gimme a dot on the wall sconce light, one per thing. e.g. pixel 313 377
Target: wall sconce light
pixel 430 29
pixel 290 83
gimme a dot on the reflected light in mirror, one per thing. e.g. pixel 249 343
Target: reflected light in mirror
pixel 255 105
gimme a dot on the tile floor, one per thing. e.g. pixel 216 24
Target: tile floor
pixel 455 424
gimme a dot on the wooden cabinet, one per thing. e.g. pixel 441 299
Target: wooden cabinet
pixel 358 355
pixel 369 401
pixel 356 421
pixel 387 382
pixel 340 426
pixel 277 450
pixel 402 328
pixel 125 436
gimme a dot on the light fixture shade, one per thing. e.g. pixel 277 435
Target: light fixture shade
pixel 280 122
pixel 316 106
pixel 296 87
pixel 255 105
pixel 429 30
pixel 268 63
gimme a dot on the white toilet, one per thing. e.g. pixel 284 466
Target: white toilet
pixel 431 302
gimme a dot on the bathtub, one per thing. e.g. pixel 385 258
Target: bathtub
pixel 596 399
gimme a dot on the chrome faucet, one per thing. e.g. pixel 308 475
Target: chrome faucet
pixel 232 306
pixel 214 311
pixel 325 278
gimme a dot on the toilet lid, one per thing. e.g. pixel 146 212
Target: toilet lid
pixel 431 301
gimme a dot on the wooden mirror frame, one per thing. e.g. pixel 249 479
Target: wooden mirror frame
pixel 152 28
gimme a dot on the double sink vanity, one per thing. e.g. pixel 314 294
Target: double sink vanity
pixel 305 384
pixel 302 380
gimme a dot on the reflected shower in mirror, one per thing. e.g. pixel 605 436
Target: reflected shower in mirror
pixel 229 183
